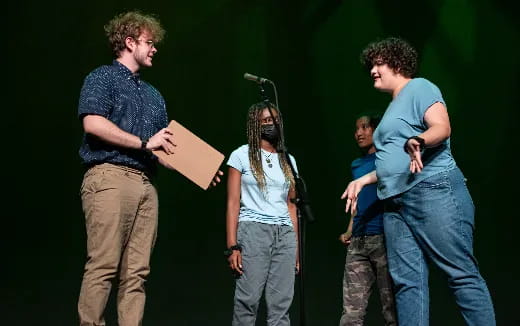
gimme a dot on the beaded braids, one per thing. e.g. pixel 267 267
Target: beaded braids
pixel 131 24
pixel 254 136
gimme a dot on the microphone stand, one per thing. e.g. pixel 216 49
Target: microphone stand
pixel 301 200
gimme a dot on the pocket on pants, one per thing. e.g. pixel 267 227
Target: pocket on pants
pixel 91 183
pixel 436 181
pixel 244 234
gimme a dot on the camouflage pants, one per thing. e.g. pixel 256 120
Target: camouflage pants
pixel 366 262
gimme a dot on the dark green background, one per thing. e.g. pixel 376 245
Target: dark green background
pixel 311 50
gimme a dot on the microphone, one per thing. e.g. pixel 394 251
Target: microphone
pixel 256 79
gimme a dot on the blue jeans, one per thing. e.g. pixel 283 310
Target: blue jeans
pixel 435 220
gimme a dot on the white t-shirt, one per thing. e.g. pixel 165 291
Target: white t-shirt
pixel 269 207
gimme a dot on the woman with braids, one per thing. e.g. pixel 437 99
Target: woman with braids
pixel 261 222
pixel 429 214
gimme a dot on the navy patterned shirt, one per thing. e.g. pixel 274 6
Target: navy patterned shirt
pixel 135 106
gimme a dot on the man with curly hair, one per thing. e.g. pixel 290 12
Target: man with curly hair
pixel 124 119
pixel 429 213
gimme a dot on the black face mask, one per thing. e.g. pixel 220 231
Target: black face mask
pixel 270 133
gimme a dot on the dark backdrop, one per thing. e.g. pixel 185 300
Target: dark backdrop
pixel 311 50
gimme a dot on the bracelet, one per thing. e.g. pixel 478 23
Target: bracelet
pixel 421 141
pixel 143 145
pixel 230 250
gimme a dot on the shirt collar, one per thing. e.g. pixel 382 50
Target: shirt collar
pixel 124 71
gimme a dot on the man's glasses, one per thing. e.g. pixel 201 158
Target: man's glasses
pixel 150 43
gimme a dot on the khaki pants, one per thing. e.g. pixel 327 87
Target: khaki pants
pixel 121 215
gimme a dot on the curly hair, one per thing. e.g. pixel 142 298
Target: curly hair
pixel 395 52
pixel 254 136
pixel 131 24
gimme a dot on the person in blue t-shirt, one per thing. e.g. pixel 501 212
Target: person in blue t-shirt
pixel 261 223
pixel 366 260
pixel 429 213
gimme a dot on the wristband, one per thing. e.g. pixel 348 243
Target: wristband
pixel 143 144
pixel 230 250
pixel 422 144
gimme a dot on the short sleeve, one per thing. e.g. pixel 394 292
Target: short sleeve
pixel 96 95
pixel 235 161
pixel 425 96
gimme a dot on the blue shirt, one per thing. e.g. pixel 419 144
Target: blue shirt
pixel 132 104
pixel 270 207
pixel 404 118
pixel 369 217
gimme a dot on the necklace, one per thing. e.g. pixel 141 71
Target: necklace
pixel 268 159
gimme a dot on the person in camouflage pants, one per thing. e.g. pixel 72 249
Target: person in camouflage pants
pixel 366 260
pixel 366 263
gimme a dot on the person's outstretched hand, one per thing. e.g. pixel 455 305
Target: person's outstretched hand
pixel 351 193
pixel 413 148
